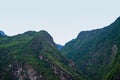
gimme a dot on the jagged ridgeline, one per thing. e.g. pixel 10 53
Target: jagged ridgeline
pixel 34 56
pixel 93 55
pixel 97 52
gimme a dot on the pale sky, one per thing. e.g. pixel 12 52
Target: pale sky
pixel 63 19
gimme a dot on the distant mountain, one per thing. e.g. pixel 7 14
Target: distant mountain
pixel 2 34
pixel 97 52
pixel 59 47
pixel 34 56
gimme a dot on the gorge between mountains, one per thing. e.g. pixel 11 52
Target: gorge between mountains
pixel 93 55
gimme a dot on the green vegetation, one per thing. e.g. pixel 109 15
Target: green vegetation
pixel 23 51
pixel 113 70
pixel 93 55
pixel 94 50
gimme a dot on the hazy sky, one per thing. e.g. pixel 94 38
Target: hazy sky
pixel 63 19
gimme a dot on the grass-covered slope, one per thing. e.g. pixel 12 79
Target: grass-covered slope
pixel 34 56
pixel 113 70
pixel 94 50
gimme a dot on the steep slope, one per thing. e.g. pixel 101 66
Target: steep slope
pixel 113 70
pixel 94 50
pixel 34 56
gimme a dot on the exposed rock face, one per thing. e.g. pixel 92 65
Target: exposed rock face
pixel 41 57
pixel 71 64
pixel 32 74
pixel 114 49
pixel 22 71
pixel 63 75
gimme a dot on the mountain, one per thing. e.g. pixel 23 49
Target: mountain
pixel 2 34
pixel 97 52
pixel 34 56
pixel 113 70
pixel 59 47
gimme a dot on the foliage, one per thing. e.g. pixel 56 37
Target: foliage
pixel 93 50
pixel 25 49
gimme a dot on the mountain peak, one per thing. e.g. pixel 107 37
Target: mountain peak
pixel 43 31
pixel 30 32
pixel 45 36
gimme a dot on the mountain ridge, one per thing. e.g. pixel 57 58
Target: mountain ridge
pixel 94 50
pixel 34 56
pixel 93 55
